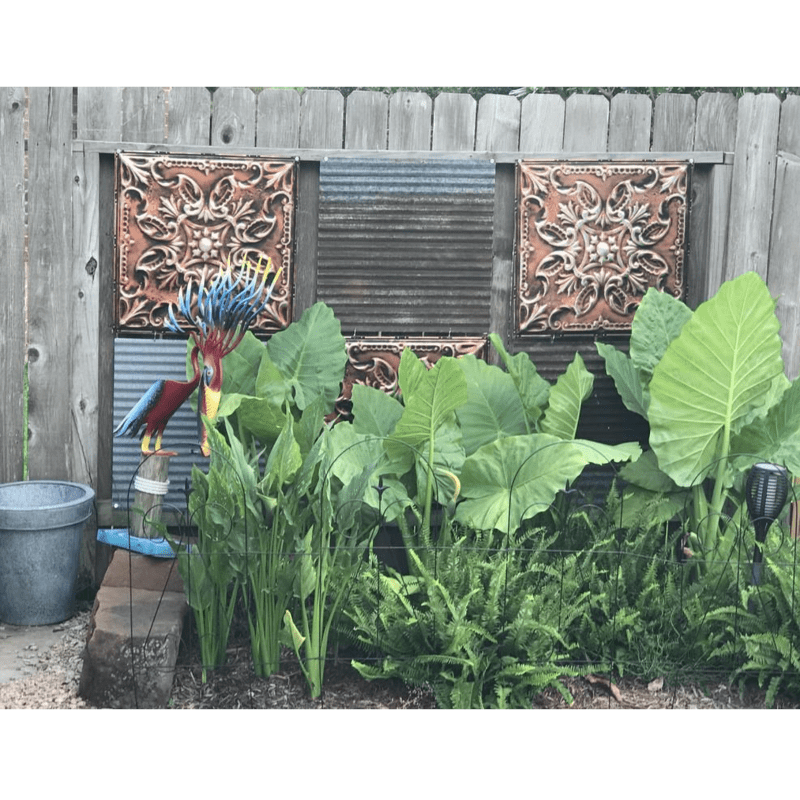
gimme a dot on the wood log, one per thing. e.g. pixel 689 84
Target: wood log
pixel 151 485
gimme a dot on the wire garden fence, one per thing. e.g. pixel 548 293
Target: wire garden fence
pixel 306 572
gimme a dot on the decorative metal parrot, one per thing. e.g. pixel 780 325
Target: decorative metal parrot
pixel 218 317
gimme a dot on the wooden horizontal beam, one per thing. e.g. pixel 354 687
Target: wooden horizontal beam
pixel 697 157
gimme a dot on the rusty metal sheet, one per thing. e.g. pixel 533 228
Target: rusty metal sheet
pixel 374 361
pixel 593 237
pixel 405 246
pixel 178 216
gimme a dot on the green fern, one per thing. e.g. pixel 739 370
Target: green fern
pixel 482 627
pixel 762 633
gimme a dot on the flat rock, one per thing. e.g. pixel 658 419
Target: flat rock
pixel 134 634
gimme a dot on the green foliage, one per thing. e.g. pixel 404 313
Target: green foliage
pixel 708 383
pixel 760 634
pixel 329 553
pixel 644 616
pixel 301 364
pixel 483 628
pixel 223 506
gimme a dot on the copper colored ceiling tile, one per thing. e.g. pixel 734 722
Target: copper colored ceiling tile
pixel 593 238
pixel 374 362
pixel 178 216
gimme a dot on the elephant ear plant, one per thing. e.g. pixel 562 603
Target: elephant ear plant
pixel 491 447
pixel 711 385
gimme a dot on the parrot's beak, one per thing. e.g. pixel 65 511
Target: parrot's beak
pixel 211 400
pixel 210 407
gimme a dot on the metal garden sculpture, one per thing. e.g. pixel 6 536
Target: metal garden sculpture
pixel 218 317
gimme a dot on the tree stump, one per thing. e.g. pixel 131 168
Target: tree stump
pixel 151 484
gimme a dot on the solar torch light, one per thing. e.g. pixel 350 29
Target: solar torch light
pixel 767 489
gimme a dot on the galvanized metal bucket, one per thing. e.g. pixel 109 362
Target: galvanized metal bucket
pixel 41 523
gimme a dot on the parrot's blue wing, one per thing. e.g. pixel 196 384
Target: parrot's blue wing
pixel 137 416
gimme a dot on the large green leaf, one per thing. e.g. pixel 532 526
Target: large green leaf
pixel 646 474
pixel 626 378
pixel 350 452
pixel 658 320
pixel 436 394
pixel 493 408
pixel 716 376
pixel 533 389
pixel 776 436
pixel 374 411
pixel 285 459
pixel 566 398
pixel 512 479
pixel 311 355
pixel 256 415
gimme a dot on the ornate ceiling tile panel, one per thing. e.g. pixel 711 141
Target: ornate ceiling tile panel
pixel 593 237
pixel 374 362
pixel 180 216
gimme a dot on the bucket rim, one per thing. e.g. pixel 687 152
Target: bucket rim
pixel 86 495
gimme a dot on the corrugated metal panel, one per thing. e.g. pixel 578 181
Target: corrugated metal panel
pixel 137 363
pixel 405 247
pixel 604 418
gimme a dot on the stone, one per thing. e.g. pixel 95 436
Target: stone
pixel 132 648
pixel 143 572
pixel 134 634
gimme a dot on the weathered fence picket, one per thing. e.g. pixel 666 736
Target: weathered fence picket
pixel 629 123
pixel 56 209
pixel 50 299
pixel 12 279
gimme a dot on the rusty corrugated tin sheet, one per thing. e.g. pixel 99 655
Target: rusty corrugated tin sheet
pixel 405 247
pixel 178 217
pixel 593 237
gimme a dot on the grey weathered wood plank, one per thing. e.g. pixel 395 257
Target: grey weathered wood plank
pixel 674 122
pixel 144 114
pixel 498 123
pixel 233 117
pixel 629 122
pixel 93 288
pixel 586 123
pixel 454 122
pixel 784 275
pixel 789 132
pixel 100 113
pixel 12 281
pixel 753 185
pixel 278 118
pixel 366 121
pixel 189 115
pixel 322 119
pixel 410 115
pixel 715 127
pixel 317 154
pixel 542 123
pixel 50 298
pixel 715 121
pixel 305 263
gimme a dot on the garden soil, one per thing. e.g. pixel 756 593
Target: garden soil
pixel 54 674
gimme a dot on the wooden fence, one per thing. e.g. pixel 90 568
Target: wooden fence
pixel 56 202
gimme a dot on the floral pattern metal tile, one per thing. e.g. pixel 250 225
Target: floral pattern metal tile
pixel 593 237
pixel 179 217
